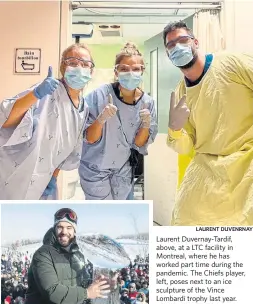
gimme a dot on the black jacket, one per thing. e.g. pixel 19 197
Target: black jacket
pixel 57 275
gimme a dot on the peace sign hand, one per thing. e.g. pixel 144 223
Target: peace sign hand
pixel 179 113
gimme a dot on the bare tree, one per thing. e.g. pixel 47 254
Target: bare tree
pixel 142 243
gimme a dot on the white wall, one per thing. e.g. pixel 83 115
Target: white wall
pixel 237 24
pixel 30 24
pixel 160 181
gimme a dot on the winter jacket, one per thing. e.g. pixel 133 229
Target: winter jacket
pixel 144 290
pixel 4 264
pixel 133 294
pixel 57 275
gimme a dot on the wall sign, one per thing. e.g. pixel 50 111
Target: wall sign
pixel 27 61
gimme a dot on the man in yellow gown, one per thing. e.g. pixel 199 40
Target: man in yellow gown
pixel 211 113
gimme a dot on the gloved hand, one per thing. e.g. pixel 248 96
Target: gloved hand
pixel 179 113
pixel 47 87
pixel 108 112
pixel 51 187
pixel 145 117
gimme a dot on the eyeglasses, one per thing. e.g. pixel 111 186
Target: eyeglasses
pixel 182 40
pixel 75 62
pixel 65 212
pixel 129 68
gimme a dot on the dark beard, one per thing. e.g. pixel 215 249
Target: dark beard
pixel 191 63
pixel 70 241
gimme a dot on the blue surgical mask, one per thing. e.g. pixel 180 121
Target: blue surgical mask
pixel 181 55
pixel 77 77
pixel 130 80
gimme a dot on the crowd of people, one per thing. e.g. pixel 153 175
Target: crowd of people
pixel 133 281
pixel 14 276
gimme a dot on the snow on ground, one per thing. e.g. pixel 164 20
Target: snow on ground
pixel 135 247
pixel 104 255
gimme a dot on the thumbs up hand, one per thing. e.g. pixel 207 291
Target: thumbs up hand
pixel 108 112
pixel 179 113
pixel 145 116
pixel 47 87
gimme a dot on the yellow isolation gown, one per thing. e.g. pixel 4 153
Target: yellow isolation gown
pixel 217 187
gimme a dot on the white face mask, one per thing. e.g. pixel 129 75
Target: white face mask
pixel 181 55
pixel 77 77
pixel 130 80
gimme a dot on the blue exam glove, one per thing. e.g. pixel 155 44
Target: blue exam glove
pixel 51 187
pixel 47 87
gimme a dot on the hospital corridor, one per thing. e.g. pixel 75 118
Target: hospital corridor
pixel 183 141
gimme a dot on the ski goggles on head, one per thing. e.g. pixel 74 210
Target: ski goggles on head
pixel 65 213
